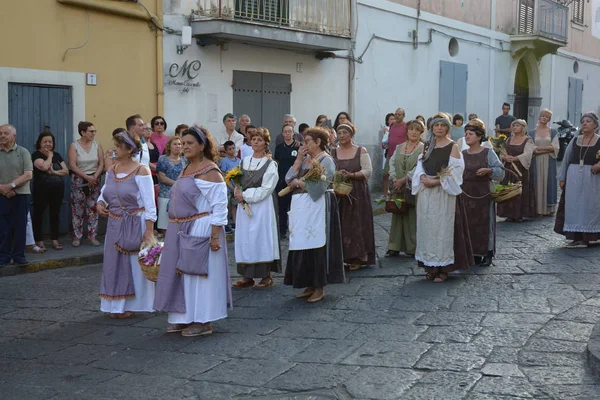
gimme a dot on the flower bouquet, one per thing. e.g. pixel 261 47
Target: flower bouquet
pixel 341 185
pixel 499 144
pixel 149 259
pixel 315 174
pixel 234 177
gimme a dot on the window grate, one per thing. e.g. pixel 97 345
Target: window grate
pixel 578 11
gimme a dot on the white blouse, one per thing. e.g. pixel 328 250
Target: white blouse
pixel 451 183
pixel 145 195
pixel 269 180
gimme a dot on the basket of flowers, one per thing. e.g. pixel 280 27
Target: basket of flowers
pixel 341 185
pixel 149 259
pixel 506 192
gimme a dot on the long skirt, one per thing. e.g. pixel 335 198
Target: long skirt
pixel 403 232
pixel 321 266
pixel 356 216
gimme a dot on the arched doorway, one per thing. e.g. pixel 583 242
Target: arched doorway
pixel 521 106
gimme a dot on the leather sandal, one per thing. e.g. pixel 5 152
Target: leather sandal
pixel 441 278
pixel 316 297
pixel 243 283
pixel 197 330
pixel 177 328
pixel 354 267
pixel 431 276
pixel 306 293
pixel 265 282
pixel 126 315
pixel 392 253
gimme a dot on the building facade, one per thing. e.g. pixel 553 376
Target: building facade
pixel 66 61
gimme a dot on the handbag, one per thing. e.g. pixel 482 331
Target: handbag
pixel 193 254
pixel 392 207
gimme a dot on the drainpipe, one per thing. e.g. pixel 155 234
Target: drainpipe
pixel 492 69
pixel 351 62
pixel 160 81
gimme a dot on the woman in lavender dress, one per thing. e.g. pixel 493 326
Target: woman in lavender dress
pixel 195 289
pixel 127 199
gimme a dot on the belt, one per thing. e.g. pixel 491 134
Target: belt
pixel 120 216
pixel 190 218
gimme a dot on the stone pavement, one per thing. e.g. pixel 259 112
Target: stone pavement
pixel 515 330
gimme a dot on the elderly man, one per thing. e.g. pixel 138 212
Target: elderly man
pixel 15 174
pixel 245 121
pixel 229 122
pixel 289 119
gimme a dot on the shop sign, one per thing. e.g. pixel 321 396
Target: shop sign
pixel 185 75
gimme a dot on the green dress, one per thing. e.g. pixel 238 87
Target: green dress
pixel 403 233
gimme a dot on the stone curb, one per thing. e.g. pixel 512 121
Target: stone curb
pixel 97 258
pixel 593 350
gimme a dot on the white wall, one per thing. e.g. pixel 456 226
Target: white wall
pixel 321 87
pixel 396 75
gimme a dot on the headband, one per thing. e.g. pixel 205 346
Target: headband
pixel 199 134
pixel 347 127
pixel 441 120
pixel 129 142
pixel 590 115
pixel 479 131
pixel 521 122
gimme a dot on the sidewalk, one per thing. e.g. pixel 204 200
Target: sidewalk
pixel 86 254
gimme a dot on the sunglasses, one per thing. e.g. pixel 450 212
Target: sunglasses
pixel 159 123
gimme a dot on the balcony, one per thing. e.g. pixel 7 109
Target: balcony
pixel 542 26
pixel 304 25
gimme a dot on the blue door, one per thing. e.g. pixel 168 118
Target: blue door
pixel 453 88
pixel 35 108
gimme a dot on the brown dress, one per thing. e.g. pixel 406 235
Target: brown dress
pixel 356 211
pixel 524 205
pixel 476 190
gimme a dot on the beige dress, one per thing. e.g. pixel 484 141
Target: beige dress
pixel 542 162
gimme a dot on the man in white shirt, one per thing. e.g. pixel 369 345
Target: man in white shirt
pixel 229 121
pixel 135 126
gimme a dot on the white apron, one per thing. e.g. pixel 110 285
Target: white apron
pixel 307 222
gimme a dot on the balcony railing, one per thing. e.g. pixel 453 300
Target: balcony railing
pixel 329 17
pixel 543 17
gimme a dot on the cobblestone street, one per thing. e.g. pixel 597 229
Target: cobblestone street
pixel 518 329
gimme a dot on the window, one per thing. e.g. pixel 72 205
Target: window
pixel 578 7
pixel 525 23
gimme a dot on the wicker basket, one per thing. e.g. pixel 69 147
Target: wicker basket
pixel 342 188
pixel 150 271
pixel 508 193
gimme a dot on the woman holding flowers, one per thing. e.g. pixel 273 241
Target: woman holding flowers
pixel 481 167
pixel 578 214
pixel 315 257
pixel 543 169
pixel 403 232
pixel 353 166
pixel 256 236
pixel 517 157
pixel 127 199
pixel 193 283
pixel 443 241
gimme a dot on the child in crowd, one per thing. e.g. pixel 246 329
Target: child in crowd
pixel 229 162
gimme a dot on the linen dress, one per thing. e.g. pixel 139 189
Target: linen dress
pixel 480 208
pixel 403 231
pixel 193 298
pixel 443 239
pixel 356 210
pixel 120 290
pixel 543 172
pixel 578 214
pixel 523 205
pixel 316 257
pixel 257 237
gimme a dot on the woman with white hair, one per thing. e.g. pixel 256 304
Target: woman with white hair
pixel 519 149
pixel 443 240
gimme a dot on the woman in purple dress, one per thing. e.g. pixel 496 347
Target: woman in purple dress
pixel 193 284
pixel 127 199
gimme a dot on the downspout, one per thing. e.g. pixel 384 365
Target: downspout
pixel 120 9
pixel 351 61
pixel 160 82
pixel 492 69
